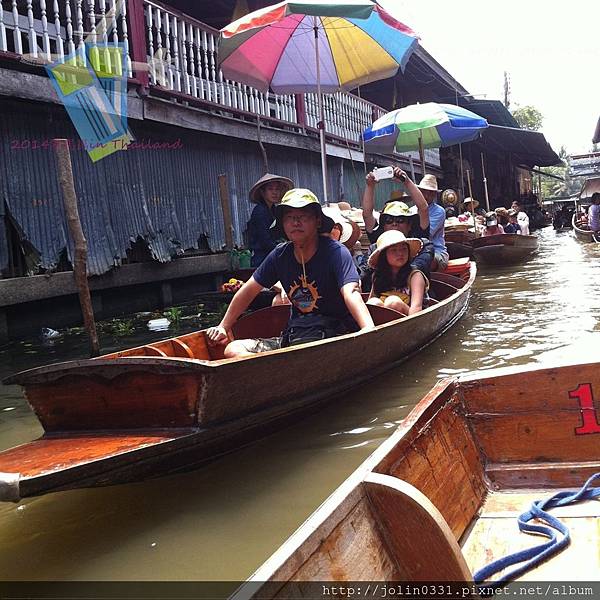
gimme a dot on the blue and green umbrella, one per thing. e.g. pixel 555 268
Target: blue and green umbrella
pixel 428 125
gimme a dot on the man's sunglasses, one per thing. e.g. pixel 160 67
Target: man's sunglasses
pixel 387 220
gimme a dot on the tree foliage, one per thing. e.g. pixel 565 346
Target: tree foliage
pixel 553 188
pixel 528 117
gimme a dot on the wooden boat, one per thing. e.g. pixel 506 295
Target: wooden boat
pixel 449 484
pixel 504 248
pixel 459 242
pixel 176 403
pixel 584 235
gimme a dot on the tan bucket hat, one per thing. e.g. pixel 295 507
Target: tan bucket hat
pixel 429 182
pixel 391 238
pixel 350 230
pixel 468 201
pixel 287 183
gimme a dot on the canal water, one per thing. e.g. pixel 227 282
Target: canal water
pixel 223 520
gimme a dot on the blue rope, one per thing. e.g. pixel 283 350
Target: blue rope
pixel 535 555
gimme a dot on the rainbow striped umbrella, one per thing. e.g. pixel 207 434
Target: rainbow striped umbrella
pixel 357 42
pixel 304 46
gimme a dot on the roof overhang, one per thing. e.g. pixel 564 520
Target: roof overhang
pixel 493 111
pixel 591 186
pixel 528 148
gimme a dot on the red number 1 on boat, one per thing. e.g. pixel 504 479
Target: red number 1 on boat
pixel 583 393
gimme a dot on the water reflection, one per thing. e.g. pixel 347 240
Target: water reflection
pixel 222 521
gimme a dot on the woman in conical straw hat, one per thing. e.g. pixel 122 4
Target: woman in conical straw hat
pixel 266 193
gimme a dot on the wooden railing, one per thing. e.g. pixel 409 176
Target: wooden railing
pixel 182 55
pixel 170 52
pixel 46 31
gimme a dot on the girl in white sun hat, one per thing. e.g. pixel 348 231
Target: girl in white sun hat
pixel 395 284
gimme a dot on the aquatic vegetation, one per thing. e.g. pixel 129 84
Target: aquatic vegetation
pixel 174 314
pixel 121 327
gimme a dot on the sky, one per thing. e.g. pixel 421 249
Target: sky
pixel 551 51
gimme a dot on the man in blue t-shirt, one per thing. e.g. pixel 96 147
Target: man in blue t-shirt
pixel 317 273
pixel 437 216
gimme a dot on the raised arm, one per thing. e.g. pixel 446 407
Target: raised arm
pixel 356 306
pixel 240 302
pixel 368 203
pixel 416 196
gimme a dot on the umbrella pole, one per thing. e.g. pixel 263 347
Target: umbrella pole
pixel 462 174
pixel 470 193
pixel 487 198
pixel 321 124
pixel 422 155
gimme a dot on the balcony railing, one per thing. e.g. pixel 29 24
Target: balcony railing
pixel 171 53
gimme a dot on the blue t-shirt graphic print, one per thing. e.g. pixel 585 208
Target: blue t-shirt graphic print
pixel 327 272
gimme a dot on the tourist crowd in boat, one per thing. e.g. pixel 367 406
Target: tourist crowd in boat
pixel 319 273
pixel 312 255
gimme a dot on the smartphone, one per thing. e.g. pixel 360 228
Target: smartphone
pixel 383 173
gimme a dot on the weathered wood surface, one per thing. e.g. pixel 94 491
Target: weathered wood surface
pixel 415 530
pixel 183 382
pixel 442 451
pixel 443 463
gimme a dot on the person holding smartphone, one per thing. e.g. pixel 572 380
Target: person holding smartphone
pixel 396 213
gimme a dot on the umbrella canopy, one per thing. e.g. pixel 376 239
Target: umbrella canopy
pixel 357 42
pixel 438 125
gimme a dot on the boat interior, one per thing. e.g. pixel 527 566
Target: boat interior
pixel 450 484
pixel 270 322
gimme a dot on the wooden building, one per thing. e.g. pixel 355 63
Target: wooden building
pixel 144 208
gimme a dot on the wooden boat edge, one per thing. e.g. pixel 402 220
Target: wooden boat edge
pixel 49 372
pixel 310 531
pixel 421 413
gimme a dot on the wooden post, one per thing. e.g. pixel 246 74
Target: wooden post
pixel 300 109
pixel 485 187
pixel 137 41
pixel 263 151
pixel 224 194
pixel 65 176
pixel 422 155
pixel 471 194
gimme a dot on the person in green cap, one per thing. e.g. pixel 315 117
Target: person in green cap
pixel 317 274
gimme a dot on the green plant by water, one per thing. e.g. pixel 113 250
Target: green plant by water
pixel 174 314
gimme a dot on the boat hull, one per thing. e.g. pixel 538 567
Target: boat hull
pixel 123 417
pixel 504 249
pixel 583 235
pixel 450 482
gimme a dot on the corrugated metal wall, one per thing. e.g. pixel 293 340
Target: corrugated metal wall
pixel 168 197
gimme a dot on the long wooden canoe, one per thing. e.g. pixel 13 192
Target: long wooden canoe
pixel 504 248
pixel 439 499
pixel 176 403
pixel 584 235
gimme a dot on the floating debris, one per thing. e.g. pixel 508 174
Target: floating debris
pixel 159 324
pixel 50 334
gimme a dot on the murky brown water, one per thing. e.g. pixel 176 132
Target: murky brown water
pixel 222 521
